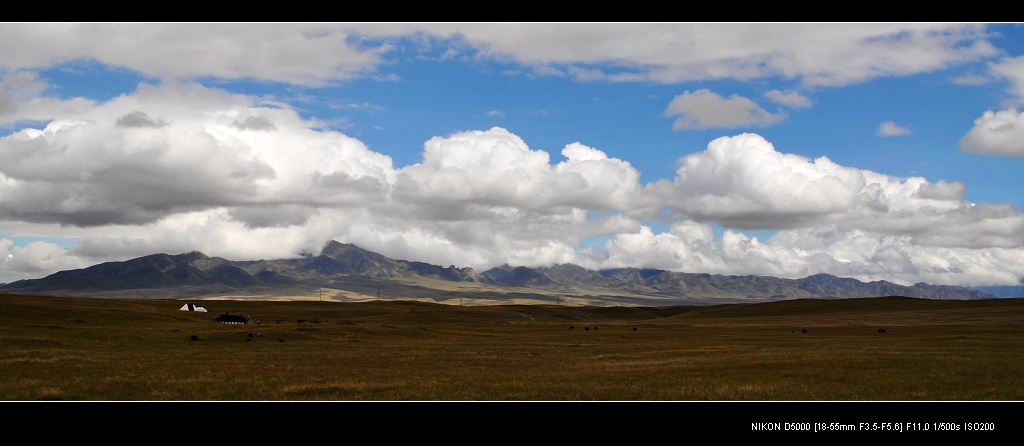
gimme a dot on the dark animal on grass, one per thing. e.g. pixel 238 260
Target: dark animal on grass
pixel 634 328
pixel 803 331
pixel 881 330
pixel 195 338
pixel 586 328
pixel 572 327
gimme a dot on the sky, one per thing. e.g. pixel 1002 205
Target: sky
pixel 876 151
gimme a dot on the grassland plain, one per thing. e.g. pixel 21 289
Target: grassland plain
pixel 99 349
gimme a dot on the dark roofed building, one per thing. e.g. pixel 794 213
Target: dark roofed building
pixel 231 318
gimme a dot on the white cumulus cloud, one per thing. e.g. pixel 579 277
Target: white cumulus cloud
pixel 1012 70
pixel 743 182
pixel 889 128
pixel 22 98
pixel 178 148
pixel 996 133
pixel 298 53
pixel 789 98
pixel 704 109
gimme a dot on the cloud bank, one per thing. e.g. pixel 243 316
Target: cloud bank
pixel 317 54
pixel 173 167
pixel 302 54
pixel 702 51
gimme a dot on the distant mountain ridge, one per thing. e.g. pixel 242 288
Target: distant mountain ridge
pixel 1003 291
pixel 343 266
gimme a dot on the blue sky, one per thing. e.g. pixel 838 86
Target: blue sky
pixel 879 151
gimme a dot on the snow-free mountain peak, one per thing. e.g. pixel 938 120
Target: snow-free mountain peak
pixel 360 272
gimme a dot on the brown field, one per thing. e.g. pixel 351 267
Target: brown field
pixel 99 349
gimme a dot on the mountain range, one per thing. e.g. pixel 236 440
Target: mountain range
pixel 346 272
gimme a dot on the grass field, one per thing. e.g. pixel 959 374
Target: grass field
pixel 96 349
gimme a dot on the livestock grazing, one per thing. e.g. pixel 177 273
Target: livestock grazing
pixel 195 338
pixel 803 331
pixel 634 328
pixel 595 327
pixel 572 327
pixel 586 328
pixel 881 330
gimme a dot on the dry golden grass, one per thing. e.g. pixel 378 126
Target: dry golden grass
pixel 94 349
